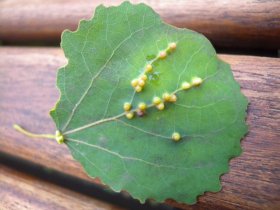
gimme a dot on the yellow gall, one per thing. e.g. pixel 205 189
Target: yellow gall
pixel 144 77
pixel 134 82
pixel 138 88
pixel 59 137
pixel 129 115
pixel 156 100
pixel 172 45
pixel 126 106
pixel 176 136
pixel 141 83
pixel 149 68
pixel 173 98
pixel 160 106
pixel 196 81
pixel 166 97
pixel 57 133
pixel 142 106
pixel 162 55
pixel 185 86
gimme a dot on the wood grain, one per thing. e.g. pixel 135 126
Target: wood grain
pixel 27 92
pixel 245 24
pixel 19 191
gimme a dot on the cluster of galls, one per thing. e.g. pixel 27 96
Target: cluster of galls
pixel 159 102
pixel 139 83
pixel 166 97
pixel 140 111
pixel 196 81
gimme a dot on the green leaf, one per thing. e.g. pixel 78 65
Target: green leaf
pixel 138 155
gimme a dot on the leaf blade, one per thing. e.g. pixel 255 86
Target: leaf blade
pixel 90 111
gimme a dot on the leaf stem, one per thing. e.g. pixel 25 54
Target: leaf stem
pixel 33 135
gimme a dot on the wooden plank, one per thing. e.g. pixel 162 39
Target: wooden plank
pixel 27 92
pixel 245 24
pixel 19 191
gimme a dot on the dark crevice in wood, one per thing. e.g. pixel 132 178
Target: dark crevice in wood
pixel 247 51
pixel 76 184
pixel 221 50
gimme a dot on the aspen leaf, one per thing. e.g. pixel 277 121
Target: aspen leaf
pixel 176 146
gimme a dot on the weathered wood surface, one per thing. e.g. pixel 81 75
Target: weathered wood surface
pixel 27 92
pixel 19 191
pixel 247 24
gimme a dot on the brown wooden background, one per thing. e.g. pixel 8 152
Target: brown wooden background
pixel 27 92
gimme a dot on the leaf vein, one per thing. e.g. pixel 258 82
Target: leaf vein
pixel 97 75
pixel 127 157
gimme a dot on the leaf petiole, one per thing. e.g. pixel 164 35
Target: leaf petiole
pixel 58 136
